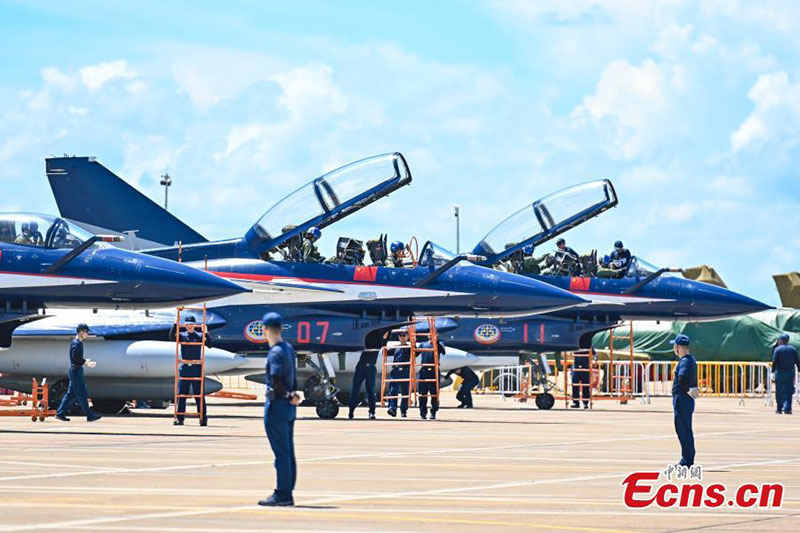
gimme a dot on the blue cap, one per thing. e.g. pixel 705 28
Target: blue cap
pixel 272 320
pixel 680 340
pixel 82 327
pixel 784 337
pixel 190 319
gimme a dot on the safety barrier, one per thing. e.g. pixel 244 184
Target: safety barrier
pixel 719 379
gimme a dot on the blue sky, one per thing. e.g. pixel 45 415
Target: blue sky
pixel 692 109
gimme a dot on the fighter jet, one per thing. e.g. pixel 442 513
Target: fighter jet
pixel 45 262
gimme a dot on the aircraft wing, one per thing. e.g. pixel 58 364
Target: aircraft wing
pixel 112 325
pixel 546 218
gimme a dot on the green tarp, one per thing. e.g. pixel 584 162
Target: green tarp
pixel 746 338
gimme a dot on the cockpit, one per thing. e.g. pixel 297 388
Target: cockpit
pixel 330 197
pixel 41 231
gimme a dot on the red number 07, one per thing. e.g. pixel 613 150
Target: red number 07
pixel 304 331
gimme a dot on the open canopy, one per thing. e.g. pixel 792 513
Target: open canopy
pixel 544 219
pixel 42 231
pixel 330 197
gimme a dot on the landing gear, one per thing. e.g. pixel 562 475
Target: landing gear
pixel 327 409
pixel 545 400
pixel 57 392
pixel 109 407
pixel 319 389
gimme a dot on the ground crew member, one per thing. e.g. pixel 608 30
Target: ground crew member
pixel 190 369
pixel 396 259
pixel 427 372
pixel 365 373
pixel 684 391
pixel 469 380
pixel 308 251
pixel 280 410
pixel 400 371
pixel 76 392
pixel 784 362
pixel 582 378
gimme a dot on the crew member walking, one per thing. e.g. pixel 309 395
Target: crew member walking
pixel 784 362
pixel 684 391
pixel 365 374
pixel 76 392
pixel 280 410
pixel 191 368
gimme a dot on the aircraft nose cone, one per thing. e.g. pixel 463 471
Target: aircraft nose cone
pixel 724 302
pixel 528 294
pixel 165 280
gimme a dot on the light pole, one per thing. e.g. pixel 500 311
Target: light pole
pixel 166 181
pixel 458 229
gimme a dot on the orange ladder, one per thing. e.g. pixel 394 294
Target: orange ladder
pixel 179 360
pixel 39 398
pixel 414 339
pixel 620 385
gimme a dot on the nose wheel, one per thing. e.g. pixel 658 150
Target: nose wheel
pixel 327 409
pixel 545 400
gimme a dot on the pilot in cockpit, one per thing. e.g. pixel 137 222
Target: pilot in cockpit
pixel 309 251
pixel 30 234
pixel 396 259
pixel 616 264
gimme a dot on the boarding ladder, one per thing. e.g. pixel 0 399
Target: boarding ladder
pixel 179 360
pixel 415 338
pixel 39 399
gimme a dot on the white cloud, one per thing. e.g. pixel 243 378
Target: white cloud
pixel 55 77
pixel 309 91
pixel 95 76
pixel 634 105
pixel 776 115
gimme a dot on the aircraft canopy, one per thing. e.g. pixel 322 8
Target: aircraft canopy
pixel 42 231
pixel 545 218
pixel 331 197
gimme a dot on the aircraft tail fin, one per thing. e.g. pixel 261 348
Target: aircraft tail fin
pixel 95 198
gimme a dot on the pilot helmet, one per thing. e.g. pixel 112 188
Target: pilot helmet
pixel 26 226
pixel 561 241
pixel 33 226
pixel 527 249
pixel 396 247
pixel 618 245
pixel 314 232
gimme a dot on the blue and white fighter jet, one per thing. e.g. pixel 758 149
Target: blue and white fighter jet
pixel 46 262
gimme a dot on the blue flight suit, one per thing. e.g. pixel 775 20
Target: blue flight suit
pixel 469 380
pixel 428 388
pixel 76 392
pixel 784 361
pixel 581 379
pixel 683 406
pixel 366 372
pixel 280 414
pixel 191 370
pixel 397 388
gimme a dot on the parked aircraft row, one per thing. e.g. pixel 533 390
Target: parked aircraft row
pixel 339 308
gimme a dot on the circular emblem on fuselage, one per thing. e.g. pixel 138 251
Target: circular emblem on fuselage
pixel 254 332
pixel 487 334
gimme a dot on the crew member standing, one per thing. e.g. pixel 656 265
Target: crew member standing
pixel 191 368
pixel 401 370
pixel 469 380
pixel 77 386
pixel 581 378
pixel 365 373
pixel 784 362
pixel 684 390
pixel 428 376
pixel 280 410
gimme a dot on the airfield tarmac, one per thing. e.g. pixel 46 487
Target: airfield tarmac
pixel 503 466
